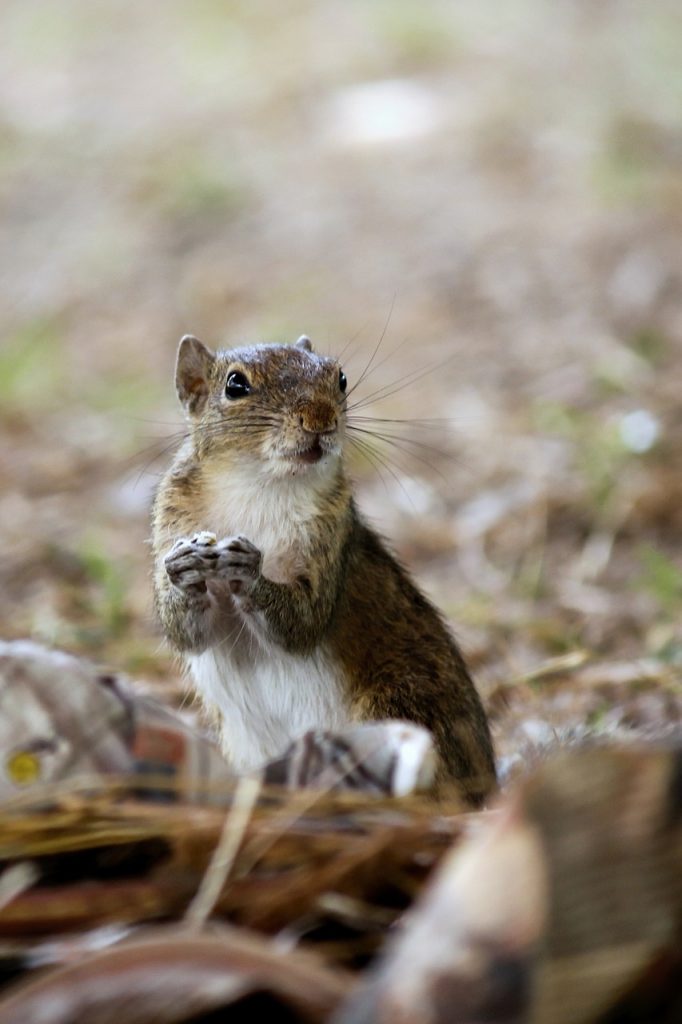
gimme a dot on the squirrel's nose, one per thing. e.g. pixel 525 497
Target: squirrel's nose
pixel 318 420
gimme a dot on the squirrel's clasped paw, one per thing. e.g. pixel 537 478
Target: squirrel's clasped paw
pixel 198 559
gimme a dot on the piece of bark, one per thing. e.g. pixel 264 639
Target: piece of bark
pixel 554 912
pixel 172 976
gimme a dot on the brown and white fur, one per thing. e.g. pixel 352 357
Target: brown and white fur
pixel 289 609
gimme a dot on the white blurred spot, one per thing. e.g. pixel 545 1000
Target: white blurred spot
pixel 537 731
pixel 489 508
pixel 131 495
pixel 637 281
pixel 414 497
pixel 388 111
pixel 473 414
pixel 639 430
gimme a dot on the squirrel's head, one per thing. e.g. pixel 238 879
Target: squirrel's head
pixel 282 405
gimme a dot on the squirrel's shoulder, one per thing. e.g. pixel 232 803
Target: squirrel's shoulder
pixel 178 490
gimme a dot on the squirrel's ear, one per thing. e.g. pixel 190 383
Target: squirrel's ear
pixel 192 369
pixel 304 343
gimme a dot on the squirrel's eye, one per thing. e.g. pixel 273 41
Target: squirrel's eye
pixel 343 383
pixel 237 385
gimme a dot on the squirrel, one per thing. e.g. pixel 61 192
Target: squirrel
pixel 289 609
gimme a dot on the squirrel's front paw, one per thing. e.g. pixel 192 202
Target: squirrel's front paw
pixel 238 561
pixel 191 560
pixel 194 561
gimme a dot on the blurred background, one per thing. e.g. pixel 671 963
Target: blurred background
pixel 494 188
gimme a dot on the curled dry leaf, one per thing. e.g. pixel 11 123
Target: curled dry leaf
pixel 562 908
pixel 61 719
pixel 390 758
pixel 173 976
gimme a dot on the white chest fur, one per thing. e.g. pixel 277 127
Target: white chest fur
pixel 265 696
pixel 274 514
pixel 265 704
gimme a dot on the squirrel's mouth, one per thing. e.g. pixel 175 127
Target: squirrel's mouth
pixel 313 453
pixel 309 454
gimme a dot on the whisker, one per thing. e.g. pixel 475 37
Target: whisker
pixel 155 458
pixel 350 342
pixel 366 370
pixel 220 429
pixel 373 456
pixel 256 427
pixel 389 355
pixel 158 448
pixel 368 453
pixel 231 638
pixel 242 421
pixel 397 385
pixel 398 444
pixel 400 439
pixel 227 428
pixel 434 423
pixel 153 423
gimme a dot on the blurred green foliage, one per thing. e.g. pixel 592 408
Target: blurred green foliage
pixel 191 182
pixel 662 579
pixel 599 453
pixel 417 34
pixel 31 364
pixel 109 586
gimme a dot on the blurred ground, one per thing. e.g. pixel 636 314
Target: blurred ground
pixel 507 179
